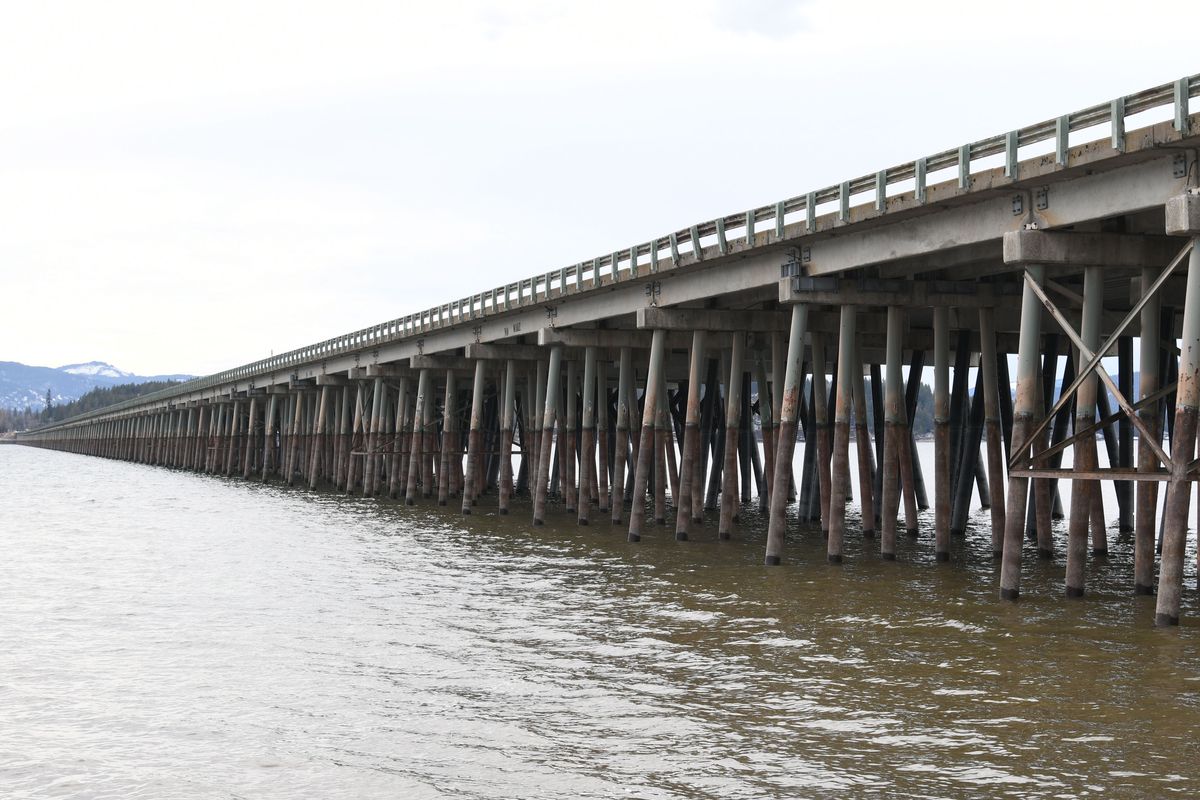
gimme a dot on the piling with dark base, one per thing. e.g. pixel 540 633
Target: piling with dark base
pixel 824 436
pixel 895 431
pixel 1183 216
pixel 785 443
pixel 645 455
pixel 941 433
pixel 691 439
pixel 1024 410
pixel 1147 491
pixel 733 413
pixel 1083 490
pixel 621 449
pixel 549 412
pixel 587 450
pixel 991 422
pixel 840 467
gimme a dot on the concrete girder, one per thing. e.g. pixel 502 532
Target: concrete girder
pixel 713 320
pixel 1088 249
pixel 615 338
pixel 840 292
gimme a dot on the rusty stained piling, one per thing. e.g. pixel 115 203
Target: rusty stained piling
pixel 767 426
pixel 840 467
pixel 894 428
pixel 1145 516
pixel 1041 510
pixel 268 441
pixel 415 454
pixel 733 416
pixel 539 405
pixel 785 444
pixel 247 451
pixel 637 513
pixel 399 472
pixel 341 424
pixel 662 445
pixel 708 412
pixel 621 449
pixel 602 444
pixel 862 441
pixel 779 345
pixel 1024 413
pixel 447 450
pixel 688 478
pixel 319 445
pixel 471 474
pixel 991 417
pixel 549 412
pixel 354 465
pixel 1183 218
pixel 1084 488
pixel 370 462
pixel 941 432
pixel 429 445
pixel 587 450
pixel 568 447
pixel 823 438
pixel 507 415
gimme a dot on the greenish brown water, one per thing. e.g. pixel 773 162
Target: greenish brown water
pixel 172 635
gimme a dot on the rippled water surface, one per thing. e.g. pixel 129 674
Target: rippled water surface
pixel 170 635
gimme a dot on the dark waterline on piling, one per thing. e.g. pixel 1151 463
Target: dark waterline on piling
pixel 178 635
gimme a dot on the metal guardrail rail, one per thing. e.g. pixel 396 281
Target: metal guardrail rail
pixel 630 262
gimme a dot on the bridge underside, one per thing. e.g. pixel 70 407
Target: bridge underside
pixel 644 388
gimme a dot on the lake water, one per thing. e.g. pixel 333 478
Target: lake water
pixel 169 635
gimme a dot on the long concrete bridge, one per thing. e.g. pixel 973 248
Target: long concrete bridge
pixel 625 382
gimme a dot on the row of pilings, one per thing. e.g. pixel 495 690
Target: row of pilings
pixel 672 440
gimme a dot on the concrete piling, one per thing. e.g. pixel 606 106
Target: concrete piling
pixel 894 430
pixel 991 416
pixel 733 415
pixel 587 455
pixel 637 513
pixel 688 477
pixel 840 467
pixel 862 439
pixel 621 449
pixel 1024 412
pixel 471 473
pixel 1183 218
pixel 549 413
pixel 1147 461
pixel 1084 488
pixel 941 433
pixel 823 438
pixel 785 444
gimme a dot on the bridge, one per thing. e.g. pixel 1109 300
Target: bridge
pixel 629 384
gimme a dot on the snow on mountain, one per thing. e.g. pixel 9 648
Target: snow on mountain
pixel 22 385
pixel 96 368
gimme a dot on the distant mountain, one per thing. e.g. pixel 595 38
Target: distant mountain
pixel 22 385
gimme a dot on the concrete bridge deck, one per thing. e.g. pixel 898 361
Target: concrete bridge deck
pixel 1045 242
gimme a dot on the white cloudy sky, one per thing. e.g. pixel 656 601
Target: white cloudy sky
pixel 189 186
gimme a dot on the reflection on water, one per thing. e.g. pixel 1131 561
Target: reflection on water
pixel 172 635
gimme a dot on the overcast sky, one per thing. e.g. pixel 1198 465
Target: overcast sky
pixel 185 187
